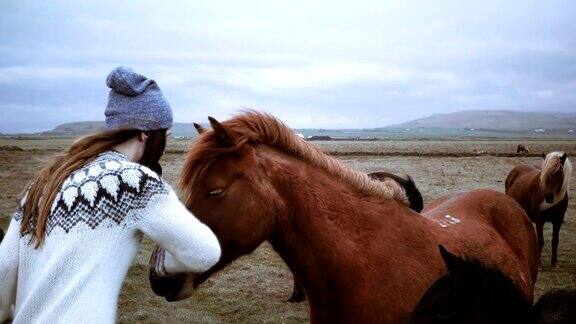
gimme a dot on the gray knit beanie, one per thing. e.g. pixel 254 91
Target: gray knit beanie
pixel 135 102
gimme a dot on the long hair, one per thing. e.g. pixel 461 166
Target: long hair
pixel 154 150
pixel 44 188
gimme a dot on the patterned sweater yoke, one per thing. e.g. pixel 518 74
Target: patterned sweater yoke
pixel 108 188
pixel 93 234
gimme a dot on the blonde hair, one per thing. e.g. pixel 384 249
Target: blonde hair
pixel 551 165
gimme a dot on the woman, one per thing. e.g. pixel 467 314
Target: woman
pixel 79 226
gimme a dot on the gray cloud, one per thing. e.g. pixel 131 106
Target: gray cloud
pixel 332 64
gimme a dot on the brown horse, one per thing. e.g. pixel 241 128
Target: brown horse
pixel 360 252
pixel 543 193
pixel 521 149
pixel 407 183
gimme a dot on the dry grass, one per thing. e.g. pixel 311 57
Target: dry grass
pixel 388 147
pixel 254 288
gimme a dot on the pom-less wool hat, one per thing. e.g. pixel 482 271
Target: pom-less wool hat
pixel 135 102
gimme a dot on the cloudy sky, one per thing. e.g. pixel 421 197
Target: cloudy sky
pixel 329 64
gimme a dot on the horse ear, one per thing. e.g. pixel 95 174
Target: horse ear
pixel 222 136
pixel 449 259
pixel 563 158
pixel 199 128
pixel 543 155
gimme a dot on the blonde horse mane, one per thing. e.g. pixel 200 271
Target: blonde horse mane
pixel 551 165
pixel 257 127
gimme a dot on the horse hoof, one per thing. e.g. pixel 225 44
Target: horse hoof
pixel 296 298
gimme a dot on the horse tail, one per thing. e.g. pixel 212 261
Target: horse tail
pixel 414 195
pixel 556 306
pixel 409 186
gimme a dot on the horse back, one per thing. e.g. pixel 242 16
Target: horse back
pixel 521 173
pixel 489 226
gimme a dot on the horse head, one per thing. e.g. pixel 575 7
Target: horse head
pixel 226 185
pixel 238 179
pixel 556 170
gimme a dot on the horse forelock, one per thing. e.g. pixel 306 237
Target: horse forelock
pixel 262 128
pixel 203 152
pixel 550 166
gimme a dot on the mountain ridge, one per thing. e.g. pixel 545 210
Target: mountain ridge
pixel 85 127
pixel 494 120
pixel 462 123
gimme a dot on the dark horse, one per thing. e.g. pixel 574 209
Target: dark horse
pixel 416 203
pixel 472 292
pixel 407 183
pixel 543 193
pixel 557 306
pixel 360 252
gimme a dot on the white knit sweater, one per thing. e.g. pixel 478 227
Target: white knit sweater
pixel 92 235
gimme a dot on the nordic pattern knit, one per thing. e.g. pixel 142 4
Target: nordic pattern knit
pixel 93 234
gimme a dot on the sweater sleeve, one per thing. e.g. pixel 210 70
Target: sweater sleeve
pixel 186 244
pixel 9 259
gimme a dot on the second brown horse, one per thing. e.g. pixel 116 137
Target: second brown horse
pixel 543 193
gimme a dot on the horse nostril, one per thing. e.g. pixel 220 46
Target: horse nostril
pixel 167 286
pixel 549 198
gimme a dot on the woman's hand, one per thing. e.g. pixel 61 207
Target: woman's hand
pixel 162 283
pixel 157 260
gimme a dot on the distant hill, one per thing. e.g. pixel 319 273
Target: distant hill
pixel 76 128
pixel 462 124
pixel 85 127
pixel 495 120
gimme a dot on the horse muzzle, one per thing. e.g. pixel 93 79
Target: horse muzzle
pixel 168 286
pixel 172 287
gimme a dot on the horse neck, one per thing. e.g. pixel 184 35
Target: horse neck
pixel 325 223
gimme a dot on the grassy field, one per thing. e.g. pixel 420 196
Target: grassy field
pixel 255 288
pixel 409 147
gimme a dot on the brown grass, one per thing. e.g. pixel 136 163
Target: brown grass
pixel 255 288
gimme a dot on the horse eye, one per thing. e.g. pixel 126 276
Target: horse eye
pixel 215 192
